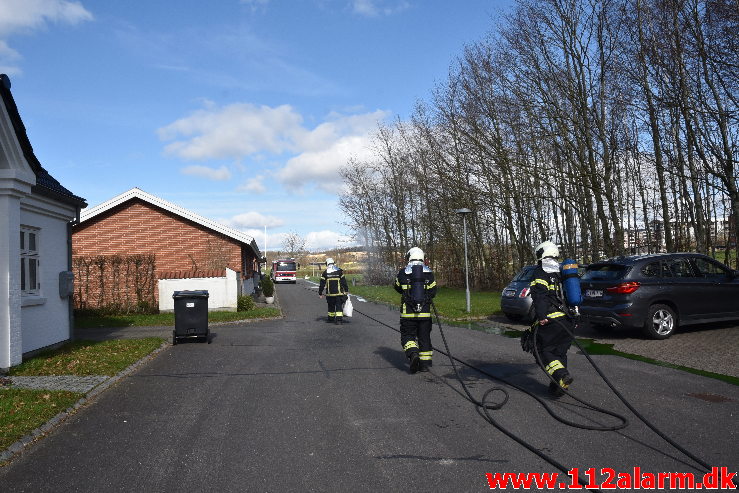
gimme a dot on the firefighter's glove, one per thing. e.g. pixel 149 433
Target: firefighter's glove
pixel 527 341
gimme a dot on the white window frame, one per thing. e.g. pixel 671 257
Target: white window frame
pixel 30 260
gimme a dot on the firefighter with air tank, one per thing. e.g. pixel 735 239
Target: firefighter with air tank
pixel 334 282
pixel 415 282
pixel 553 321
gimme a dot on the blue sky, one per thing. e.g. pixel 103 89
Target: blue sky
pixel 239 110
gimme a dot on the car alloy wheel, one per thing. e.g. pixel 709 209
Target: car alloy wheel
pixel 661 322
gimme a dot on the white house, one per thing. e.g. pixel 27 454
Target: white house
pixel 35 244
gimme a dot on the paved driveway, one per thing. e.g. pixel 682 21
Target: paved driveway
pixel 708 347
pixel 299 405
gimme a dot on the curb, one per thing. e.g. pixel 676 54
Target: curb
pixel 22 443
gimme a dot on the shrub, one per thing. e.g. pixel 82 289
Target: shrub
pixel 268 287
pixel 245 304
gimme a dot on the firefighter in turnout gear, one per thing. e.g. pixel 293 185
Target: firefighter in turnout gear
pixel 334 282
pixel 553 339
pixel 415 282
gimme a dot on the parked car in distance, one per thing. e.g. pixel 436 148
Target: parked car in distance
pixel 659 292
pixel 515 300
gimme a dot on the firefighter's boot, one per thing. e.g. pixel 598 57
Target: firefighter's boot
pixel 415 362
pixel 562 378
pixel 330 319
pixel 555 390
pixel 339 320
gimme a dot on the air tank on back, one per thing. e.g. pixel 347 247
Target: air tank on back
pixel 571 282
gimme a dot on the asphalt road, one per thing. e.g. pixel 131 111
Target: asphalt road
pixel 299 405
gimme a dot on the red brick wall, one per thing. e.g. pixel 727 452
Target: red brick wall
pixel 139 227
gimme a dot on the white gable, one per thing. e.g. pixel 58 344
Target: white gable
pixel 13 164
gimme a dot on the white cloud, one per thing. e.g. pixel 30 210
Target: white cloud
pixel 234 131
pixel 255 4
pixel 22 16
pixel 274 240
pixel 322 166
pixel 376 8
pixel 253 220
pixel 220 174
pixel 255 185
pixel 7 53
pixel 328 148
pixel 322 240
pixel 244 130
pixel 317 240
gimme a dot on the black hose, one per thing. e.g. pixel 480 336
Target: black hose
pixel 624 421
pixel 487 407
pixel 627 404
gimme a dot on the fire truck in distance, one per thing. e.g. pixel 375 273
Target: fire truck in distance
pixel 284 270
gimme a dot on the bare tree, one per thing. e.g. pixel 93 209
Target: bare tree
pixel 293 244
pixel 607 126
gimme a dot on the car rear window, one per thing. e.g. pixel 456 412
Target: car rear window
pixel 679 267
pixel 605 272
pixel 652 269
pixel 525 274
pixel 710 269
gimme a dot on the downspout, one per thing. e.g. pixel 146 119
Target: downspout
pixel 70 299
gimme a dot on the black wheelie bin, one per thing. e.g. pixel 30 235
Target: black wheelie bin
pixel 190 316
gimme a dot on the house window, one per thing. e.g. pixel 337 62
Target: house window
pixel 30 278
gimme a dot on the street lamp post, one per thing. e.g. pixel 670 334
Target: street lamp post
pixel 463 213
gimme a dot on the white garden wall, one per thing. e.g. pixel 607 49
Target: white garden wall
pixel 222 291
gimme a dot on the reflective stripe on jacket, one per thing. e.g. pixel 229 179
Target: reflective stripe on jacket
pixel 546 294
pixel 333 282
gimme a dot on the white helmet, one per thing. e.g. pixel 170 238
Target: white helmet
pixel 330 261
pixel 546 249
pixel 415 253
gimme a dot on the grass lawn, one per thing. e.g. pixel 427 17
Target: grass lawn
pixel 90 321
pixel 450 302
pixel 24 410
pixel 88 358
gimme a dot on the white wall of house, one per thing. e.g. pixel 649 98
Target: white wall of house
pixel 16 180
pixel 45 316
pixel 39 317
pixel 222 291
pixel 10 313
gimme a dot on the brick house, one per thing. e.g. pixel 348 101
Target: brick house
pixel 35 247
pixel 181 243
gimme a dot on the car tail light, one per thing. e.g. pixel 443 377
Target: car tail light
pixel 624 288
pixel 524 292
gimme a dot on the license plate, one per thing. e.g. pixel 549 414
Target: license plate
pixel 593 293
pixel 510 293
